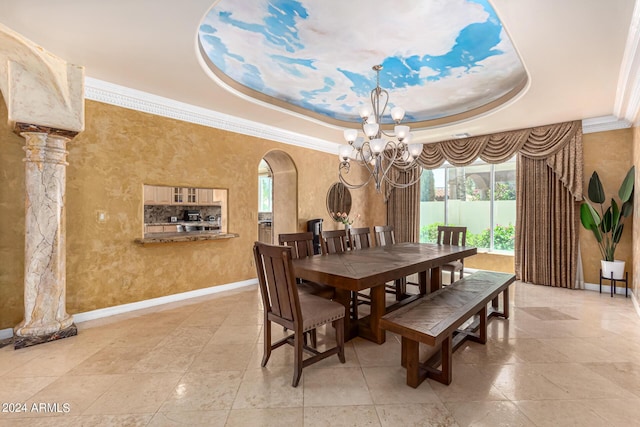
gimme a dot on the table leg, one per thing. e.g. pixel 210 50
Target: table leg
pixel 343 296
pixel 377 311
pixel 422 281
pixel 436 279
pixel 505 302
pixel 372 331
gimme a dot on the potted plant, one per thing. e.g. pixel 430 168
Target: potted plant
pixel 343 217
pixel 608 224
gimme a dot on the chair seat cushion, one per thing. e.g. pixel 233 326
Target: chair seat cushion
pixel 317 311
pixel 452 266
pixel 313 288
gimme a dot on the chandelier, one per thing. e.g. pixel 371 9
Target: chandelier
pixel 380 156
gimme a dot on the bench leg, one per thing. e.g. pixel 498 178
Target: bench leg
pixel 403 353
pixel 447 360
pixel 445 374
pixel 416 372
pixel 505 305
pixel 411 361
pixel 505 302
pixel 483 325
pixel 477 332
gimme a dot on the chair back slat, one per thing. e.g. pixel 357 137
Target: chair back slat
pixel 360 238
pixel 450 235
pixel 384 235
pixel 300 243
pixel 334 241
pixel 276 279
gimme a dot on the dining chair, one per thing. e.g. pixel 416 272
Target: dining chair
pixel 299 313
pixel 359 238
pixel 455 236
pixel 333 241
pixel 302 246
pixel 385 235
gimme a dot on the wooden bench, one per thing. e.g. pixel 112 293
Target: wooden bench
pixel 435 319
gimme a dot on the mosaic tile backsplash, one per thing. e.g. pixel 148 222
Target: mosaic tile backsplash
pixel 162 213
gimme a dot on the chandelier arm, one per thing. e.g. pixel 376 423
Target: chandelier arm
pixel 394 153
pixel 344 169
pixel 390 162
pixel 362 161
pixel 389 135
pixel 418 173
pixel 352 186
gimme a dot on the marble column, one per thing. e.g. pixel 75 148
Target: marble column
pixel 45 316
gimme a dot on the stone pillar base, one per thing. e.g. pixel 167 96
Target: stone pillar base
pixel 22 342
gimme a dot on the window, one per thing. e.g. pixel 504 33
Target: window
pixel 265 185
pixel 481 197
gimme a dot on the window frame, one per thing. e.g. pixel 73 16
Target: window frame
pixel 492 185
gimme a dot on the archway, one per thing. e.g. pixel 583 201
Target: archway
pixel 285 193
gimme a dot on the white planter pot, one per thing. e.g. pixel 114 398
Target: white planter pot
pixel 617 267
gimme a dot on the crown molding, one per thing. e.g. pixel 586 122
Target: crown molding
pixel 604 123
pixel 627 103
pixel 133 99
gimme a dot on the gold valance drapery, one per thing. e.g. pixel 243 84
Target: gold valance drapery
pixel 556 143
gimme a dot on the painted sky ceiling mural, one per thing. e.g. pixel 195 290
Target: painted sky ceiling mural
pixel 440 58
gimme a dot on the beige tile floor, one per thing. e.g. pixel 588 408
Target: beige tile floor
pixel 564 358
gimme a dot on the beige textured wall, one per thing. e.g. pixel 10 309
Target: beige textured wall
pixel 12 214
pixel 611 155
pixel 109 162
pixel 493 262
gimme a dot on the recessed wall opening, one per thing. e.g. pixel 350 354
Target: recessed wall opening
pixel 284 193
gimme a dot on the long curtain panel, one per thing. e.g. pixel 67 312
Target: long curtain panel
pixel 553 185
pixel 548 237
pixel 403 207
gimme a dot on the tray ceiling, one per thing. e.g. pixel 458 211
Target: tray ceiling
pixel 442 61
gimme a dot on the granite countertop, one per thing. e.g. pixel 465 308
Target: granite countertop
pixel 192 236
pixel 205 223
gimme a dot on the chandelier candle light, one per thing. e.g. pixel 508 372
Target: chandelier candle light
pixel 375 153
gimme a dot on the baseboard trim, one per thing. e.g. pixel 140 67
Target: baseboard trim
pixel 635 303
pixel 125 308
pixel 153 302
pixel 606 289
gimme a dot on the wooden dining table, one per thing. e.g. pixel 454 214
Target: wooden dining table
pixel 371 268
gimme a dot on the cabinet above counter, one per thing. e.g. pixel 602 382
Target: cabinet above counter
pixel 184 196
